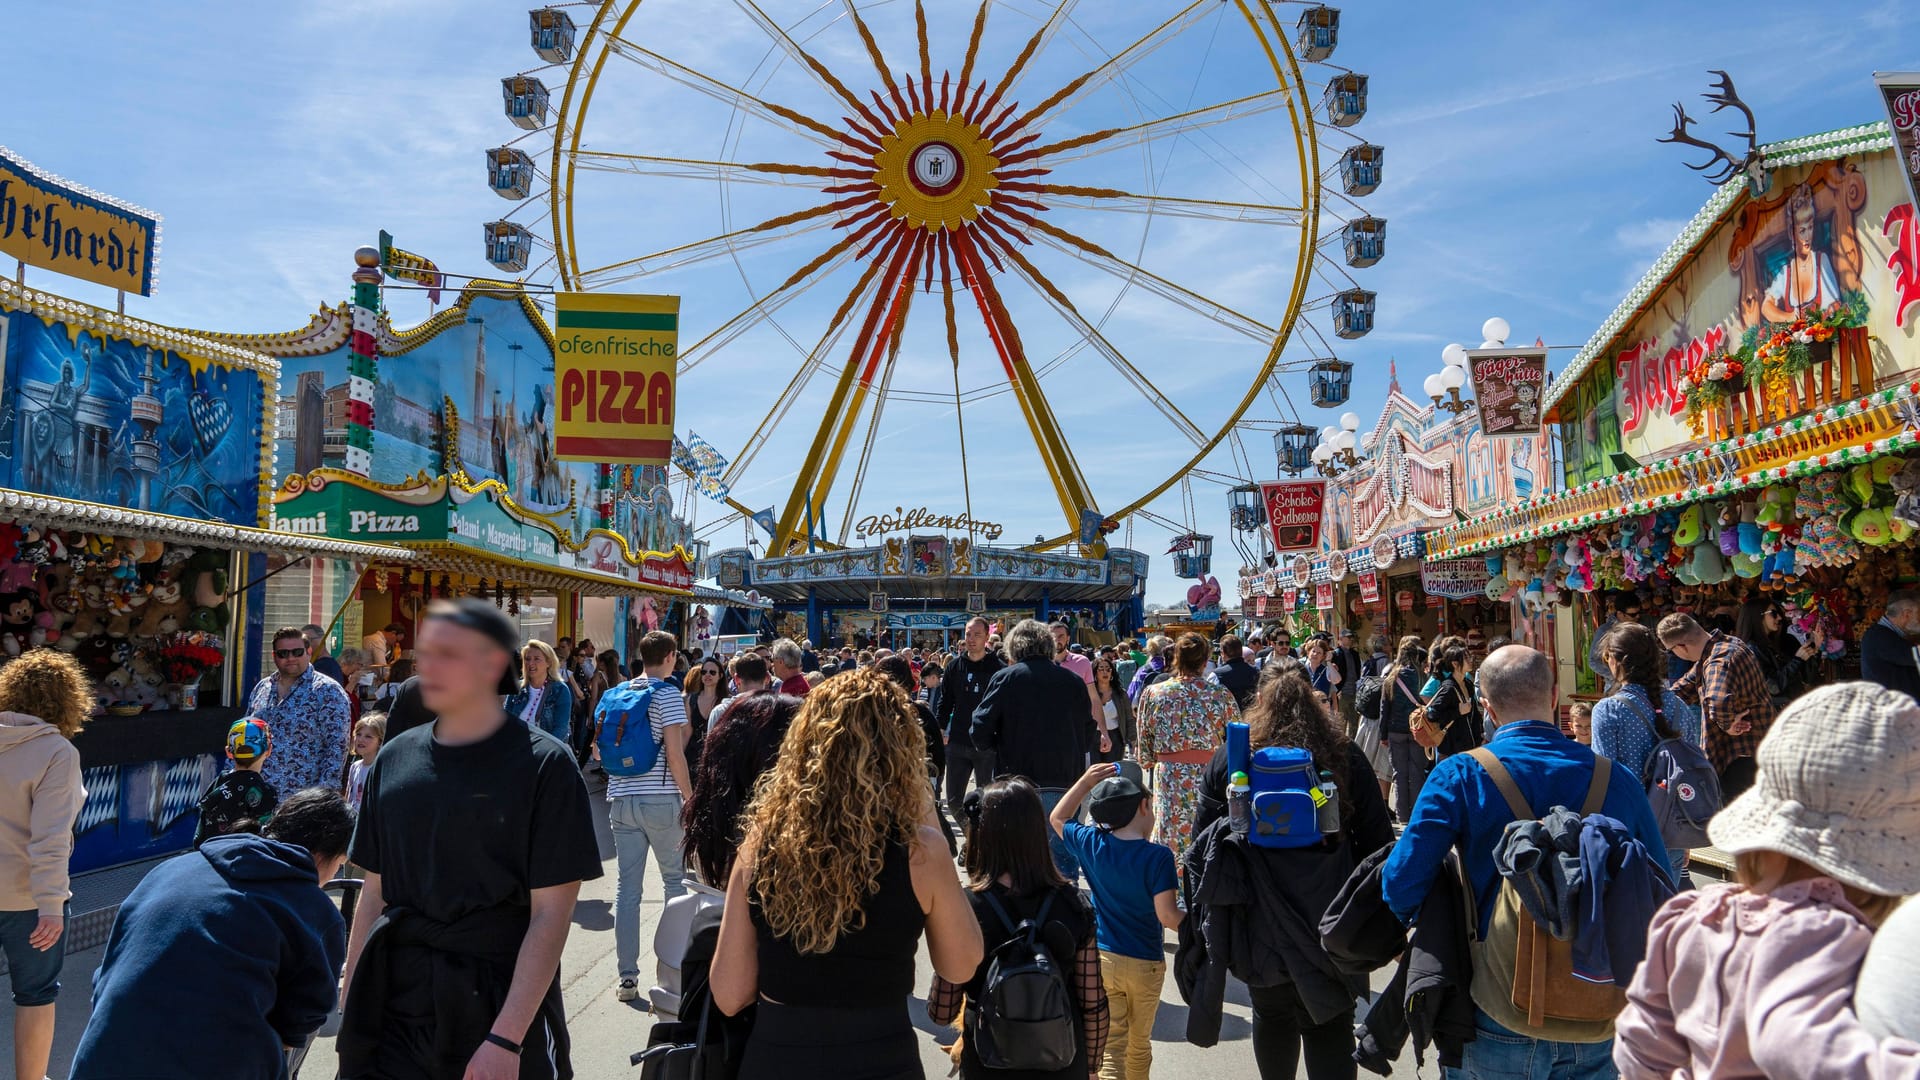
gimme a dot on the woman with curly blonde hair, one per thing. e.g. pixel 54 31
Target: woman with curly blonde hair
pixel 843 866
pixel 44 698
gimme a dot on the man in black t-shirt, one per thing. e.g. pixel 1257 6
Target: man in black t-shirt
pixel 475 832
pixel 961 688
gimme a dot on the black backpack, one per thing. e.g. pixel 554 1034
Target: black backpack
pixel 1024 1016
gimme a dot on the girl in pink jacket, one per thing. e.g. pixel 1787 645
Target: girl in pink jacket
pixel 1757 979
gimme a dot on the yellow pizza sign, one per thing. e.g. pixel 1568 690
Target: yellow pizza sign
pixel 615 359
pixel 49 222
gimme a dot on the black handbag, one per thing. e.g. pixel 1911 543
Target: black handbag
pixel 668 1058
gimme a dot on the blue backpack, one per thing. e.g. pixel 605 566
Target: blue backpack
pixel 1283 782
pixel 626 729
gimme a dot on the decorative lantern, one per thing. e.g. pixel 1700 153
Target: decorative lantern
pixel 1317 33
pixel 509 172
pixel 1346 99
pixel 525 98
pixel 1246 511
pixel 1353 313
pixel 508 245
pixel 1293 445
pixel 1360 168
pixel 1365 240
pixel 552 33
pixel 1330 383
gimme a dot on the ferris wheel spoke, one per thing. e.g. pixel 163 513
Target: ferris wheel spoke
pixel 1190 121
pixel 1035 44
pixel 769 231
pixel 973 51
pixel 738 172
pixel 777 415
pixel 821 73
pixel 926 57
pixel 1069 483
pixel 798 123
pixel 763 308
pixel 1092 198
pixel 815 477
pixel 1064 308
pixel 879 65
pixel 879 408
pixel 1115 65
pixel 1094 255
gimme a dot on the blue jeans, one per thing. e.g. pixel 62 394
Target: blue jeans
pixel 1063 857
pixel 641 822
pixel 35 975
pixel 1499 1054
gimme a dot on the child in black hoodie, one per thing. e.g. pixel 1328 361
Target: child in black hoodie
pixel 242 930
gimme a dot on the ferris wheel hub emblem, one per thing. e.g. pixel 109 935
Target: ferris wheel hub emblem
pixel 935 167
pixel 935 171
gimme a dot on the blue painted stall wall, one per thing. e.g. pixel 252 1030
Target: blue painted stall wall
pixel 141 811
pixel 68 427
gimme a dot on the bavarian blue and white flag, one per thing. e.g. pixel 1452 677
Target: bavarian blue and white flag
pixel 698 459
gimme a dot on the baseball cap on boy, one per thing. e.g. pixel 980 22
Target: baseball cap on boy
pixel 1114 801
pixel 248 739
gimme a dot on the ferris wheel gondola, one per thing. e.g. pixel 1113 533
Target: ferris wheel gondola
pixel 855 177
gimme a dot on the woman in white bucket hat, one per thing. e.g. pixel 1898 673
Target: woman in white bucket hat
pixel 1757 978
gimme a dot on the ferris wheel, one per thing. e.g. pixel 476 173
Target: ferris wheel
pixel 904 231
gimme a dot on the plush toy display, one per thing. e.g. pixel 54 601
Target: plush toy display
pixel 119 606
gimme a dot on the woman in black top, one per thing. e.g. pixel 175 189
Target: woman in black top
pixel 842 867
pixel 1784 660
pixel 1011 878
pixel 1399 696
pixel 1451 705
pixel 735 755
pixel 1116 712
pixel 1287 712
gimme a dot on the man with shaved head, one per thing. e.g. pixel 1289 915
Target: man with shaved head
pixel 1462 809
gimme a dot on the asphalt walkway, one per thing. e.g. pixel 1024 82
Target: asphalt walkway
pixel 605 1031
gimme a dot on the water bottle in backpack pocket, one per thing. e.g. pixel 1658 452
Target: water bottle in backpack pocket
pixel 1285 812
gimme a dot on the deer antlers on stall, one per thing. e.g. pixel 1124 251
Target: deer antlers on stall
pixel 1723 166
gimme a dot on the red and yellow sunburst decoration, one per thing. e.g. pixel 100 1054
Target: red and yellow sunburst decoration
pixel 937 184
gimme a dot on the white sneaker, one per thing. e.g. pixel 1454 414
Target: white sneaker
pixel 629 990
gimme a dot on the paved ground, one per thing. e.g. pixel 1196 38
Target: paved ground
pixel 605 1031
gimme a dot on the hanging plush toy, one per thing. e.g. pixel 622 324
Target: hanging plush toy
pixel 1688 531
pixel 1727 518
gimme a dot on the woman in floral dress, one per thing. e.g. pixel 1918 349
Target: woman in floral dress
pixel 1181 721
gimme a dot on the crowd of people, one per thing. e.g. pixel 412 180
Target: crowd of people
pixel 837 812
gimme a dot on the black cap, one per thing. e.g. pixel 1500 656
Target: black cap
pixel 483 618
pixel 1114 802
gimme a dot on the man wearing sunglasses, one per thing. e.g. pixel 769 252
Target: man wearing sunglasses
pixel 308 714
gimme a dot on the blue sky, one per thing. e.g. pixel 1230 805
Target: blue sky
pixel 1523 180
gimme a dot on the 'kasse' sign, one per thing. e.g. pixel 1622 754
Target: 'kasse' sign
pixel 614 366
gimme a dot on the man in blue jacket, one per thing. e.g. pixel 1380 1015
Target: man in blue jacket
pixel 242 931
pixel 1461 809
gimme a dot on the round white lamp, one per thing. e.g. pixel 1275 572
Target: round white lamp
pixel 1453 378
pixel 1496 330
pixel 1350 421
pixel 1454 355
pixel 1433 386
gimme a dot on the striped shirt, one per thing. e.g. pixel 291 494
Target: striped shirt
pixel 665 708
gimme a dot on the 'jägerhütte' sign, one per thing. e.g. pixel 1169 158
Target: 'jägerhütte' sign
pixel 1508 385
pixel 1901 92
pixel 1294 512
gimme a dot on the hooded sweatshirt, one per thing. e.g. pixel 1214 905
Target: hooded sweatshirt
pixel 40 796
pixel 220 959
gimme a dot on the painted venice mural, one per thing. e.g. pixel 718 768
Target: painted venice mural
pixel 1817 280
pixel 463 410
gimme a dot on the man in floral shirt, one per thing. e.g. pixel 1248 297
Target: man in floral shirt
pixel 308 714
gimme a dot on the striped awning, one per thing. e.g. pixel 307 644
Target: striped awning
pixel 25 507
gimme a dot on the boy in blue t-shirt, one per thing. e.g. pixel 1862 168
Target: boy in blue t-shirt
pixel 1133 883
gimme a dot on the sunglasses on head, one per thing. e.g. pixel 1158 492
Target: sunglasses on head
pixel 288 654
